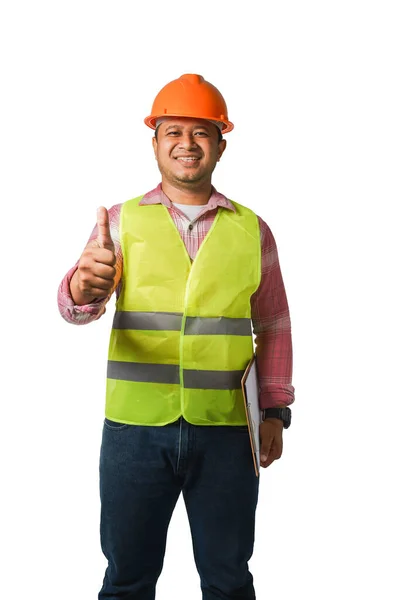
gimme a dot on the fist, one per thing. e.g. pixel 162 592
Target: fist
pixel 96 271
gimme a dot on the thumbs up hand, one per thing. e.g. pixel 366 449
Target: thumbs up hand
pixel 95 275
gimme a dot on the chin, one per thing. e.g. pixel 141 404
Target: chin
pixel 187 177
pixel 189 180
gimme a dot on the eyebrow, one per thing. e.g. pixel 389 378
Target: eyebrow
pixel 180 127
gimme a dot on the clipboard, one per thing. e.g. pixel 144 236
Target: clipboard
pixel 252 408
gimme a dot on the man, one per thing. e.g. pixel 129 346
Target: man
pixel 191 270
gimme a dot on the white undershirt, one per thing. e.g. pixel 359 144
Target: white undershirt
pixel 190 210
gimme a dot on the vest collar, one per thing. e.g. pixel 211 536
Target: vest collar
pixel 157 196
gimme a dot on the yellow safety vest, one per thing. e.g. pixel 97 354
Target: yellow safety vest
pixel 182 332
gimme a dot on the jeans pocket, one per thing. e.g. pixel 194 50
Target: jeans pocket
pixel 237 428
pixel 243 428
pixel 114 425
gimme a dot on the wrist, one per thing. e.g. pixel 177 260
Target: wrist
pixel 275 413
pixel 274 421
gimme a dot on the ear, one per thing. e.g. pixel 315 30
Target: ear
pixel 155 146
pixel 221 148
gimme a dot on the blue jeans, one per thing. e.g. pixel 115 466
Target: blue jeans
pixel 143 470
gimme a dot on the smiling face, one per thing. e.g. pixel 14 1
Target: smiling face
pixel 187 151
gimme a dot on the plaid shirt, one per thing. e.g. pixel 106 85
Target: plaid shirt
pixel 269 306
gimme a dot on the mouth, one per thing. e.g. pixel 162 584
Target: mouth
pixel 188 160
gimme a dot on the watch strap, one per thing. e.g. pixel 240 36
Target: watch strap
pixel 284 414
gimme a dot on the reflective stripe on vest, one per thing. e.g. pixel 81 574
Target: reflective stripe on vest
pixel 173 322
pixel 201 380
pixel 130 371
pixel 182 335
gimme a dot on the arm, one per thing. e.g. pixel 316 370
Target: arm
pixel 77 309
pixel 272 328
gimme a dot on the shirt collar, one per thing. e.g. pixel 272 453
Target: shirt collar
pixel 157 196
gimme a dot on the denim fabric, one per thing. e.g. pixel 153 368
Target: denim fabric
pixel 143 470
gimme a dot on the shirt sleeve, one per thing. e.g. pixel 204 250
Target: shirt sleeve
pixel 272 328
pixel 86 313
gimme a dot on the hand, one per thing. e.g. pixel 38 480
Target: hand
pixel 94 277
pixel 271 442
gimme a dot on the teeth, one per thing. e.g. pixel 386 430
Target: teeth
pixel 187 159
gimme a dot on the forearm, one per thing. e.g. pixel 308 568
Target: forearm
pixel 274 367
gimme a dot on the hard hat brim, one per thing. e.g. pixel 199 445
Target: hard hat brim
pixel 150 121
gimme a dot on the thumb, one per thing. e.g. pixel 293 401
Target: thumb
pixel 266 444
pixel 104 238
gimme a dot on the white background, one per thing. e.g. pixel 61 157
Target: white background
pixel 313 90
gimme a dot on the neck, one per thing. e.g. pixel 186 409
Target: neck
pixel 200 195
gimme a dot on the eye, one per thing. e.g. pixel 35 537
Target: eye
pixel 173 133
pixel 201 133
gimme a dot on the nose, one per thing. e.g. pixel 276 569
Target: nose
pixel 187 141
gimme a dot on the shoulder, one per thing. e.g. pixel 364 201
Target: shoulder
pixel 267 237
pixel 115 210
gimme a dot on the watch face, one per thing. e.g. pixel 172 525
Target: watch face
pixel 285 414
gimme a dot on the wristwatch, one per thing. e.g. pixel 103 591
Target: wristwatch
pixel 285 414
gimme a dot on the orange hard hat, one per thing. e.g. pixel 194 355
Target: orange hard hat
pixel 190 96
